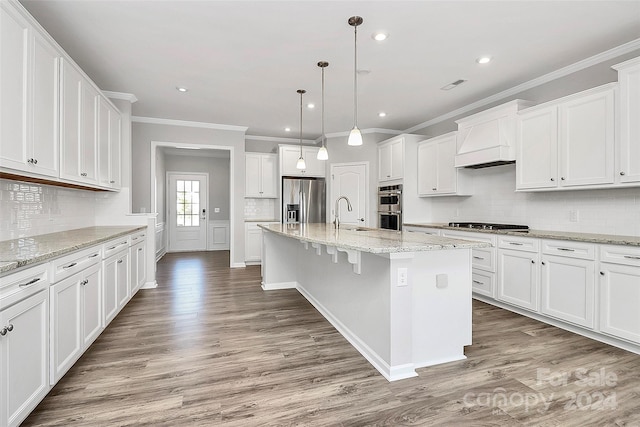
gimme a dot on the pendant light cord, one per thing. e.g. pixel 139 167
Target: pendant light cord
pixel 355 76
pixel 301 92
pixel 323 138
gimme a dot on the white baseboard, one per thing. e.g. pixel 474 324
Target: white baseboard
pixel 280 285
pixel 150 285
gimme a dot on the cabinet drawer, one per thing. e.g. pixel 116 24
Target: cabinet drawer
pixel 423 230
pixel 620 254
pixel 77 261
pixel 484 259
pixel 569 249
pixel 519 243
pixel 478 237
pixel 483 283
pixel 114 246
pixel 137 237
pixel 18 286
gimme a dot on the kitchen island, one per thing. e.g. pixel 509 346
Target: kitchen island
pixel 403 300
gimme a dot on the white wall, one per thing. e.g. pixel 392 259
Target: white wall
pixel 142 136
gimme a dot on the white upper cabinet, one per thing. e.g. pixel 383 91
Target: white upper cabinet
pixel 29 93
pixel 261 175
pixel 437 174
pixel 391 160
pixel 289 156
pixel 109 144
pixel 628 159
pixel 78 149
pixel 567 143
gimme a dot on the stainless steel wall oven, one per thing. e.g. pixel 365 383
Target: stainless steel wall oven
pixel 390 207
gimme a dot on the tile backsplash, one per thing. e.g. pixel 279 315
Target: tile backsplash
pixel 260 209
pixel 28 209
pixel 494 199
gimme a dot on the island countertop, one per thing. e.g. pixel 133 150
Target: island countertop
pixel 24 251
pixel 371 240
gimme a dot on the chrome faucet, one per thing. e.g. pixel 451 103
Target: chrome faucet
pixel 336 222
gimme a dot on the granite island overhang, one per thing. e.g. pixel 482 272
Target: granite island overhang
pixel 402 299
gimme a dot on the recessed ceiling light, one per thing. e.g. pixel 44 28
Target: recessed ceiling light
pixel 380 36
pixel 182 89
pixel 483 60
pixel 311 105
pixel 287 129
pixel 382 114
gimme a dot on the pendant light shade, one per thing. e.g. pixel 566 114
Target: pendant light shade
pixel 301 164
pixel 355 137
pixel 323 154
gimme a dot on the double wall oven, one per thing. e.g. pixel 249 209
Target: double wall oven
pixel 390 207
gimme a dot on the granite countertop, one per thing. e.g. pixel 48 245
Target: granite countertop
pixel 611 239
pixel 373 240
pixel 25 251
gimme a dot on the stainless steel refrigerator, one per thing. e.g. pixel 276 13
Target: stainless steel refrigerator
pixel 303 200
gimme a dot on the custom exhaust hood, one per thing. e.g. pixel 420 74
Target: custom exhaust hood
pixel 487 138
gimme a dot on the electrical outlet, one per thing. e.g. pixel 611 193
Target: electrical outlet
pixel 402 277
pixel 216 210
pixel 573 215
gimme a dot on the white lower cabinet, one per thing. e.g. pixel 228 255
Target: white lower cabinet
pixel 619 293
pixel 24 367
pixel 568 289
pixel 138 266
pixel 252 243
pixel 518 278
pixel 76 318
pixel 115 276
pixel 483 261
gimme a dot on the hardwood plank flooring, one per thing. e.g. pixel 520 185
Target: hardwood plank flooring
pixel 209 347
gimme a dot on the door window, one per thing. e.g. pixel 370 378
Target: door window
pixel 188 203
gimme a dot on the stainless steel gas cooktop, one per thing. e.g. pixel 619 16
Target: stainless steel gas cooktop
pixel 489 226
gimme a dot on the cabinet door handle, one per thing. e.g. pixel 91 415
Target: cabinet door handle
pixel 515 243
pixel 84 282
pixel 562 178
pixel 70 265
pixel 533 262
pixel 477 257
pixel 134 238
pixel 632 257
pixel 543 263
pixel 35 161
pixel 29 283
pixel 602 273
pixel 434 189
pixel 553 179
pixel 112 182
pixel 119 261
pixel 139 249
pixel 3 331
pixel 93 256
pixel 83 174
pixel 477 282
pixel 566 249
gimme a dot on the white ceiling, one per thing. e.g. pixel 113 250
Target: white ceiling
pixel 244 60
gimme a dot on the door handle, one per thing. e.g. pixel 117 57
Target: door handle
pixel 204 214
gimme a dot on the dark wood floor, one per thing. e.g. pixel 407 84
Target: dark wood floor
pixel 209 347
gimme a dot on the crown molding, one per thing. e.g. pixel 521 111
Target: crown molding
pixel 120 95
pixel 279 139
pixel 185 123
pixel 546 78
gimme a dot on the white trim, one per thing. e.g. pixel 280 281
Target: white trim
pixel 295 141
pixel 120 95
pixel 169 175
pixel 186 123
pixel 152 186
pixel 332 196
pixel 150 285
pixel 554 75
pixel 278 286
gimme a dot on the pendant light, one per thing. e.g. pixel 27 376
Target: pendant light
pixel 355 137
pixel 301 164
pixel 323 154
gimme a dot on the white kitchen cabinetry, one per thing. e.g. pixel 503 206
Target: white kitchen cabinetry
pixel 391 159
pixel 483 261
pixel 568 281
pixel 567 143
pixel 24 343
pixel 138 253
pixel 261 176
pixel 289 155
pixel 423 230
pixel 109 144
pixel 29 88
pixel 115 276
pixel 628 168
pixel 78 147
pixel 437 175
pixel 620 292
pixel 518 271
pixel 76 318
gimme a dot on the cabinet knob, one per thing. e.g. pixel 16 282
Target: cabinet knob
pixel 562 178
pixel 602 273
pixel 10 327
pixel 543 263
pixel 35 161
pixel 434 189
pixel 533 262
pixel 83 174
pixel 119 261
pixel 361 219
pixel 3 331
pixel 622 173
pixel 553 179
pixel 112 182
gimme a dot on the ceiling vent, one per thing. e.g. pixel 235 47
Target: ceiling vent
pixel 453 84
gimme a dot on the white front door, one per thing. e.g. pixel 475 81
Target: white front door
pixel 350 180
pixel 187 211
